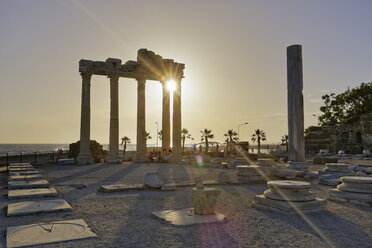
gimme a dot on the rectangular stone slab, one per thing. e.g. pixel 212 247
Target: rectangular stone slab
pixel 20 173
pixel 120 188
pixel 188 217
pixel 33 207
pixel 21 169
pixel 28 184
pixel 46 233
pixel 317 204
pixel 18 164
pixel 25 177
pixel 29 193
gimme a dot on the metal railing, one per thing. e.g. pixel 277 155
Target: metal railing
pixel 35 158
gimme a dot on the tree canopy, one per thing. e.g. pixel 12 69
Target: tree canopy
pixel 346 107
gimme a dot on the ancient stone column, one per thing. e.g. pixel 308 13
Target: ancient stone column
pixel 166 118
pixel 113 155
pixel 176 137
pixel 141 121
pixel 84 156
pixel 296 140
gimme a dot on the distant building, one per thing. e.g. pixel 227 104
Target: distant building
pixel 352 138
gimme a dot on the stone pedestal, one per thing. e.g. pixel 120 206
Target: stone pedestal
pixel 250 174
pixel 296 140
pixel 204 200
pixel 353 189
pixel 291 196
pixel 332 173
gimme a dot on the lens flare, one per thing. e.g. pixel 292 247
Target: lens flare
pixel 171 85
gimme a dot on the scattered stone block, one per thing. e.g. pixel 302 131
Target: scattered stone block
pixel 25 177
pixel 283 173
pixel 310 175
pixel 66 161
pixel 28 184
pixel 188 217
pixel 324 160
pixel 33 207
pixel 120 188
pixel 21 169
pixel 223 177
pixel 152 180
pixel 23 173
pixel 238 161
pixel 185 184
pixel 204 200
pixel 297 165
pixel 265 162
pixel 251 173
pixel 169 187
pixel 47 233
pixel 19 164
pixel 29 193
pixel 289 196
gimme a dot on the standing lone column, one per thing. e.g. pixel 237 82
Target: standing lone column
pixel 165 119
pixel 84 156
pixel 296 140
pixel 141 121
pixel 176 137
pixel 113 155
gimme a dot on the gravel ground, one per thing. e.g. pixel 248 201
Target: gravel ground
pixel 124 219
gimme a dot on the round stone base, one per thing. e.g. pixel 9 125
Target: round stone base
pixel 262 201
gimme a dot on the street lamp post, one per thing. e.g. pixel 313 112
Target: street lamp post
pixel 157 134
pixel 239 129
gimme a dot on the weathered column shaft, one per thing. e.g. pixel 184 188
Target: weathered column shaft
pixel 176 137
pixel 141 121
pixel 113 156
pixel 166 118
pixel 84 156
pixel 296 140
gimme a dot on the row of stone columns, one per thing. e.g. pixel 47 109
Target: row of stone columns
pixel 84 156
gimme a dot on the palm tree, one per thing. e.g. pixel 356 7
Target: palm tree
pixel 124 141
pixel 206 134
pixel 147 136
pixel 185 135
pixel 232 135
pixel 284 141
pixel 258 135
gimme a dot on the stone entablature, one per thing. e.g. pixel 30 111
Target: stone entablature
pixel 149 66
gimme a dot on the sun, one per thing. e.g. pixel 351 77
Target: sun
pixel 171 85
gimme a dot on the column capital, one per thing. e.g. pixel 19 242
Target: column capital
pixel 86 75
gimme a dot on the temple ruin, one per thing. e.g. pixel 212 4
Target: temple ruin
pixel 149 66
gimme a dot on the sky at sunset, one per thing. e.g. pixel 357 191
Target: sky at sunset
pixel 234 54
